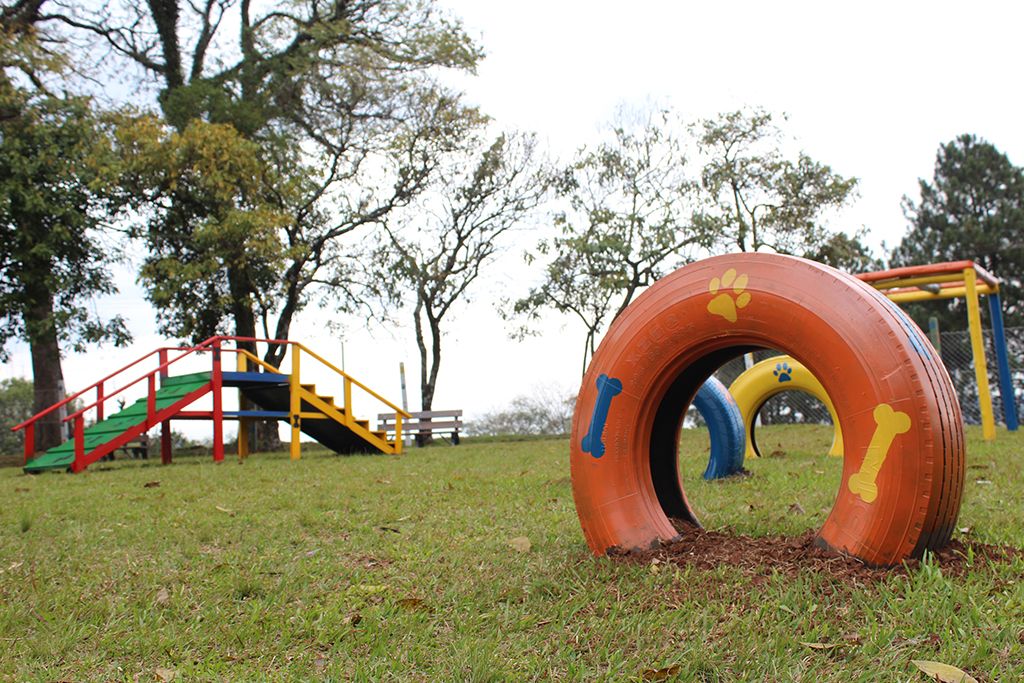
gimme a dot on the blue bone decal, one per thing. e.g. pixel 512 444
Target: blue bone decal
pixel 607 389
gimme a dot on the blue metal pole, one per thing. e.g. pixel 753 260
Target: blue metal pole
pixel 1006 392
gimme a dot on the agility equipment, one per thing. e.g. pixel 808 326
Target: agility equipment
pixel 903 468
pixel 772 376
pixel 725 428
pixel 955 279
pixel 272 393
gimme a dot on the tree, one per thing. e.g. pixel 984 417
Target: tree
pixel 58 191
pixel 438 249
pixel 755 197
pixel 845 252
pixel 973 208
pixel 340 100
pixel 627 222
pixel 16 400
pixel 544 411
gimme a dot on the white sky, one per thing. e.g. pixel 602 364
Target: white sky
pixel 870 88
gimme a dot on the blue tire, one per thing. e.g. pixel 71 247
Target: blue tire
pixel 725 424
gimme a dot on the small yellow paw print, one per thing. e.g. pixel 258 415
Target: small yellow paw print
pixel 726 304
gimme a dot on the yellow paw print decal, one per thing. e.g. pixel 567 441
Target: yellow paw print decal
pixel 726 304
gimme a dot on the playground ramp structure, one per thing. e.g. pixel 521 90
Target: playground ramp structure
pixel 265 392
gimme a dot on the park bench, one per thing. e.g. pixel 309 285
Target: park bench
pixel 425 423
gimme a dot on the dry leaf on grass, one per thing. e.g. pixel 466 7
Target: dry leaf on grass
pixel 797 509
pixel 150 484
pixel 163 596
pixel 947 673
pixel 413 604
pixel 165 675
pixel 819 646
pixel 226 511
pixel 521 543
pixel 661 674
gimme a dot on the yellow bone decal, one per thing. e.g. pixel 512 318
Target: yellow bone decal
pixel 889 423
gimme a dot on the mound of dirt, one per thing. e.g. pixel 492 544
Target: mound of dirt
pixel 789 555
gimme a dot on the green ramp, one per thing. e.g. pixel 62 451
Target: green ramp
pixel 172 390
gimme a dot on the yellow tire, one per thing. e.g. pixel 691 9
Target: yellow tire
pixel 773 376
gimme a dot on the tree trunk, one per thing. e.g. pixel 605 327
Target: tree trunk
pixel 47 376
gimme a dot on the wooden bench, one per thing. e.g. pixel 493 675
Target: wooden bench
pixel 425 423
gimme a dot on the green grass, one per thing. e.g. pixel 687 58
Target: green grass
pixel 378 568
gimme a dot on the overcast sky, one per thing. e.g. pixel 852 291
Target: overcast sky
pixel 871 89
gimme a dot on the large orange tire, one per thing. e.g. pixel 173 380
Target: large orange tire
pixel 903 468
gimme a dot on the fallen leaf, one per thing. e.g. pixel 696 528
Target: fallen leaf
pixel 18 489
pixel 965 529
pixel 15 565
pixel 165 675
pixel 353 619
pixel 413 604
pixel 777 453
pixel 163 596
pixel 521 543
pixel 225 510
pixel 661 674
pixel 312 552
pixel 320 663
pixel 383 481
pixel 946 673
pixel 852 638
pixel 819 646
pixel 150 484
pixel 389 528
pixel 797 509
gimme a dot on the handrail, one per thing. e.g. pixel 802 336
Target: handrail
pixel 253 357
pixel 95 384
pixel 159 368
pixel 352 379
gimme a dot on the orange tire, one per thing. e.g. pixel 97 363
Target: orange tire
pixel 903 468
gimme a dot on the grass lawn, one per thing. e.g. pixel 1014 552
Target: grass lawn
pixel 382 568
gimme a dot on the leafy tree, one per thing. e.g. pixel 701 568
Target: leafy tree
pixel 439 248
pixel 973 208
pixel 756 198
pixel 627 223
pixel 58 190
pixel 544 411
pixel 16 401
pixel 338 98
pixel 846 252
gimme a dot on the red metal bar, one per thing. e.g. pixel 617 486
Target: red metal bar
pixel 165 426
pixel 150 399
pixel 79 463
pixel 218 408
pixel 930 269
pixel 30 441
pixel 99 402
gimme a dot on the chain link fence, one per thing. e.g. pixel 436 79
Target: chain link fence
pixel 799 407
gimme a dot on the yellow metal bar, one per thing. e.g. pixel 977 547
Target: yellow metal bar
pixel 947 293
pixel 348 401
pixel 252 357
pixel 398 434
pixel 988 423
pixel 295 404
pixel 243 424
pixel 359 384
pixel 920 280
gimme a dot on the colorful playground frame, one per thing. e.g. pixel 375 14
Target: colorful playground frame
pixel 955 279
pixel 298 394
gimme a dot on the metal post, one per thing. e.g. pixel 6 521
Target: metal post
pixel 217 381
pixel 165 426
pixel 405 406
pixel 934 336
pixel 988 423
pixel 243 422
pixel 1006 392
pixel 295 405
pixel 79 463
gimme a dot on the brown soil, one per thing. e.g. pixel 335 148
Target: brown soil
pixel 790 555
